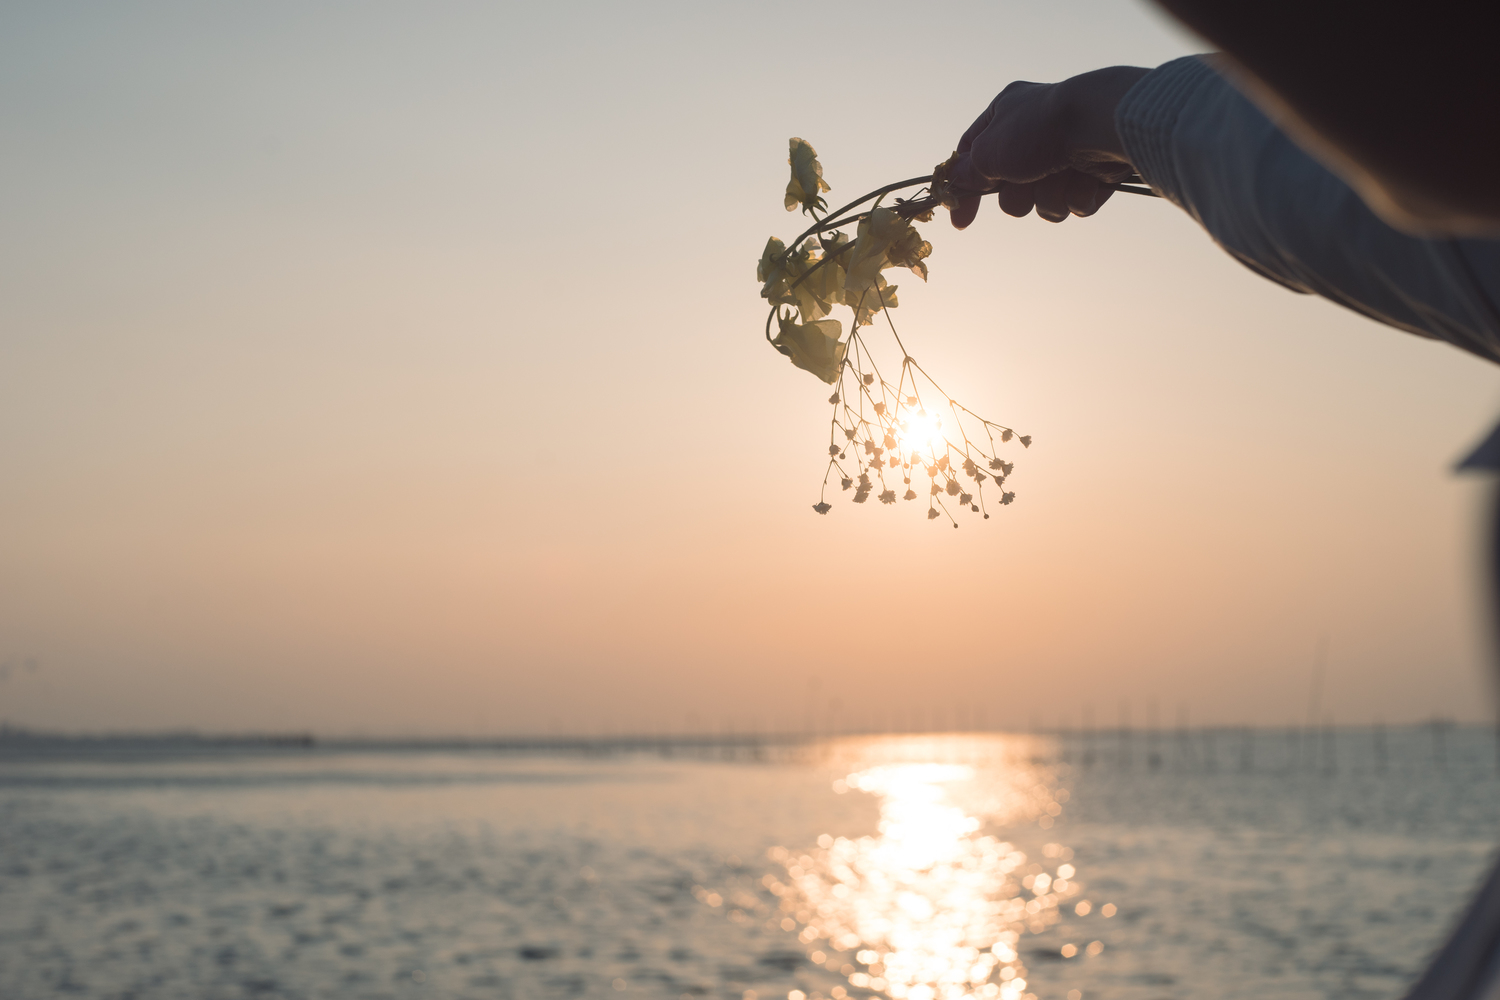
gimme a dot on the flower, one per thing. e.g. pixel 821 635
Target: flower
pixel 884 239
pixel 807 183
pixel 908 250
pixel 867 303
pixel 817 287
pixel 828 269
pixel 813 347
pixel 776 271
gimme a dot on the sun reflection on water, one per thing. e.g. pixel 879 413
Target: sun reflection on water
pixel 934 906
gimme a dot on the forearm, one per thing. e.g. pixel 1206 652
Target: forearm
pixel 1202 144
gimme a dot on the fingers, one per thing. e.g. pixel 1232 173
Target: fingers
pixel 1017 199
pixel 963 213
pixel 1056 197
pixel 1051 194
pixel 1105 193
pixel 963 176
pixel 1084 194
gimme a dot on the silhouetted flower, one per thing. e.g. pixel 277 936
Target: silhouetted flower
pixel 807 183
pixel 813 347
pixel 823 269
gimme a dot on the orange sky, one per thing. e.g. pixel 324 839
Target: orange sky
pixel 387 371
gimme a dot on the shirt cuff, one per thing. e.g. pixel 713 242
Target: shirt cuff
pixel 1147 116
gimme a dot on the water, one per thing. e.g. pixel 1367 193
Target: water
pixel 1107 867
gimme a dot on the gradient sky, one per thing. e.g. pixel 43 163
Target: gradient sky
pixel 393 368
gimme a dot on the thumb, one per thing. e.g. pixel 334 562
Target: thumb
pixel 965 177
pixel 962 213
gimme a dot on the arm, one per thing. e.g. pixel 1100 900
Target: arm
pixel 1201 144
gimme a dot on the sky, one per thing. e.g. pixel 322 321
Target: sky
pixel 398 369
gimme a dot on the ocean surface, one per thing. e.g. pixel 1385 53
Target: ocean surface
pixel 1109 866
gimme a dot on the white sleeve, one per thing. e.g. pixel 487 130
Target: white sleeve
pixel 1200 143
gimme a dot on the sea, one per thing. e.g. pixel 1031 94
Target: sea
pixel 1124 865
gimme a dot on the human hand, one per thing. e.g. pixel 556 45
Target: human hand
pixel 1048 146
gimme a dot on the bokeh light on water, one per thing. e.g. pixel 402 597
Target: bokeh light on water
pixel 931 906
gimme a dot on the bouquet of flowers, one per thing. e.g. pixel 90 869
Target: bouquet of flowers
pixel 880 429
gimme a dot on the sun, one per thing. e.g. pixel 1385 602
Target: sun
pixel 922 432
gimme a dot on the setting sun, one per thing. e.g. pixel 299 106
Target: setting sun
pixel 923 432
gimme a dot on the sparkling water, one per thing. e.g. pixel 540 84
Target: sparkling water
pixel 1103 866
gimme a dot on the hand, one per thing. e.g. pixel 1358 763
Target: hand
pixel 1048 146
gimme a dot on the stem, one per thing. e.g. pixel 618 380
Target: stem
pixel 826 258
pixel 832 220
